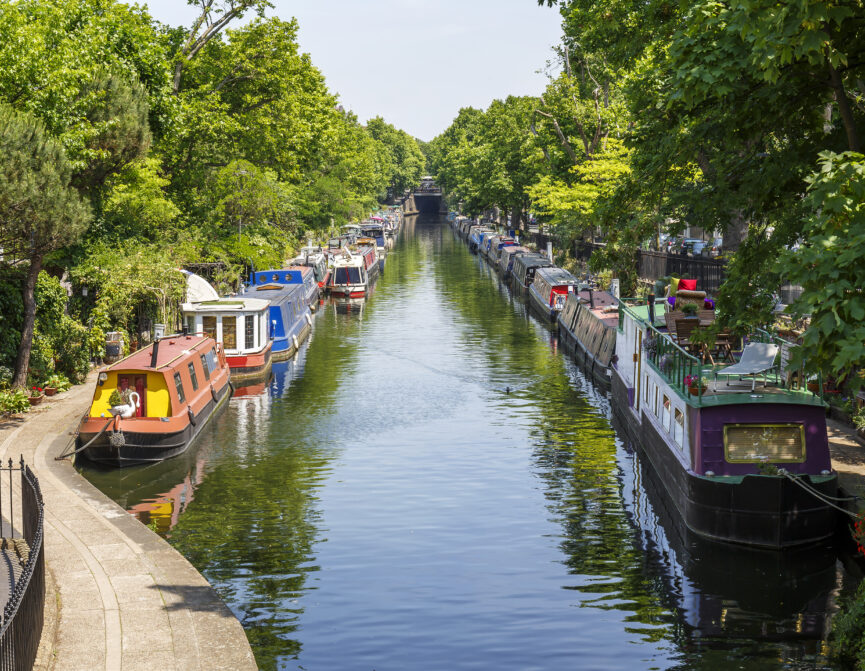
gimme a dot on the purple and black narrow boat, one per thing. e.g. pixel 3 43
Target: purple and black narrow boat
pixel 741 464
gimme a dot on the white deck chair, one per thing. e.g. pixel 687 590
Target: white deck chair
pixel 757 357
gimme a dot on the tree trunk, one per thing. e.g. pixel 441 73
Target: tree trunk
pixel 515 217
pixel 22 362
pixel 736 232
pixel 853 142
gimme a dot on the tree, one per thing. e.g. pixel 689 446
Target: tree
pixel 213 18
pixel 39 210
pixel 829 265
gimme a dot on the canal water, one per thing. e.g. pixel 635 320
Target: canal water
pixel 433 484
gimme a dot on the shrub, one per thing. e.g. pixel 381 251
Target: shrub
pixel 6 375
pixel 13 401
pixel 71 352
pixel 847 640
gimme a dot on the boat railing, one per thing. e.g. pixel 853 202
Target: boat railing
pixel 671 362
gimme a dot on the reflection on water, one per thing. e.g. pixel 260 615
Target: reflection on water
pixel 431 484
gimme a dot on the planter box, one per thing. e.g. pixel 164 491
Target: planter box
pixel 35 400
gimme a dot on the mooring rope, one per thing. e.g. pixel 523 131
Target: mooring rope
pixel 83 447
pixel 822 497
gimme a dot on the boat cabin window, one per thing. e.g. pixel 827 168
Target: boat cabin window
pixel 205 367
pixel 665 413
pixel 752 443
pixel 211 361
pixel 250 332
pixel 679 428
pixel 209 326
pixel 193 376
pixel 181 397
pixel 229 332
pixel 346 275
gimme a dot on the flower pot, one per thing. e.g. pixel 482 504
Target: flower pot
pixel 50 391
pixel 696 391
pixel 35 400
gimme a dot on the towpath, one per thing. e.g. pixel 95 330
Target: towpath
pixel 848 458
pixel 118 595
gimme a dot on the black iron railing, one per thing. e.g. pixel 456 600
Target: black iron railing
pixel 23 613
pixel 709 273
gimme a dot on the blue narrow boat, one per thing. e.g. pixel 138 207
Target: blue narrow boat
pixel 303 276
pixel 290 318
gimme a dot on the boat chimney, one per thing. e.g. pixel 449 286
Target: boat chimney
pixel 651 300
pixel 155 353
pixel 591 298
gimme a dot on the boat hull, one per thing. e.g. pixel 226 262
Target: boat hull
pixel 287 347
pixel 767 511
pixel 550 314
pixel 144 441
pixel 249 366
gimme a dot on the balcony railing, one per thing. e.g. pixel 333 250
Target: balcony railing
pixel 23 613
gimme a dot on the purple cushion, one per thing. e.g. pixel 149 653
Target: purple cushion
pixel 672 301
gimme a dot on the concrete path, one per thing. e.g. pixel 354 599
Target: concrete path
pixel 123 597
pixel 848 458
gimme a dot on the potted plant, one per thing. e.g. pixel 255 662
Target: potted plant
pixel 118 399
pixel 36 396
pixel 696 385
pixel 690 310
pixel 55 382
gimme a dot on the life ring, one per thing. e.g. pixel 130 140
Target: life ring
pixel 191 414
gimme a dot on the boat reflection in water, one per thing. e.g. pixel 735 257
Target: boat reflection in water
pixel 727 596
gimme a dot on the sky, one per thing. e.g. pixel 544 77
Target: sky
pixel 412 62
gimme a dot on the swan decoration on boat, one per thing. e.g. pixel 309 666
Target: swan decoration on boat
pixel 127 410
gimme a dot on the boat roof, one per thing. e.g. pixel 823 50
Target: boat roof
pixel 170 349
pixel 291 275
pixel 556 275
pixel 534 260
pixel 277 293
pixel 231 304
pixel 515 249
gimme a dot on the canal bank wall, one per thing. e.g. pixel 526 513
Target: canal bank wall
pixel 118 595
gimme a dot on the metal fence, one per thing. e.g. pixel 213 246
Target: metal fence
pixel 23 613
pixel 709 273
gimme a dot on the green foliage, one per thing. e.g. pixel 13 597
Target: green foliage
pixel 405 161
pixel 13 401
pixel 828 265
pixel 847 639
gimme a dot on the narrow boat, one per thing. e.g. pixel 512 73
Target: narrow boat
pixel 549 291
pixel 290 317
pixel 354 272
pixel 495 250
pixel 372 233
pixel 525 267
pixel 507 257
pixel 166 392
pixel 238 324
pixel 476 237
pixel 303 276
pixel 740 463
pixel 587 327
pixel 315 258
